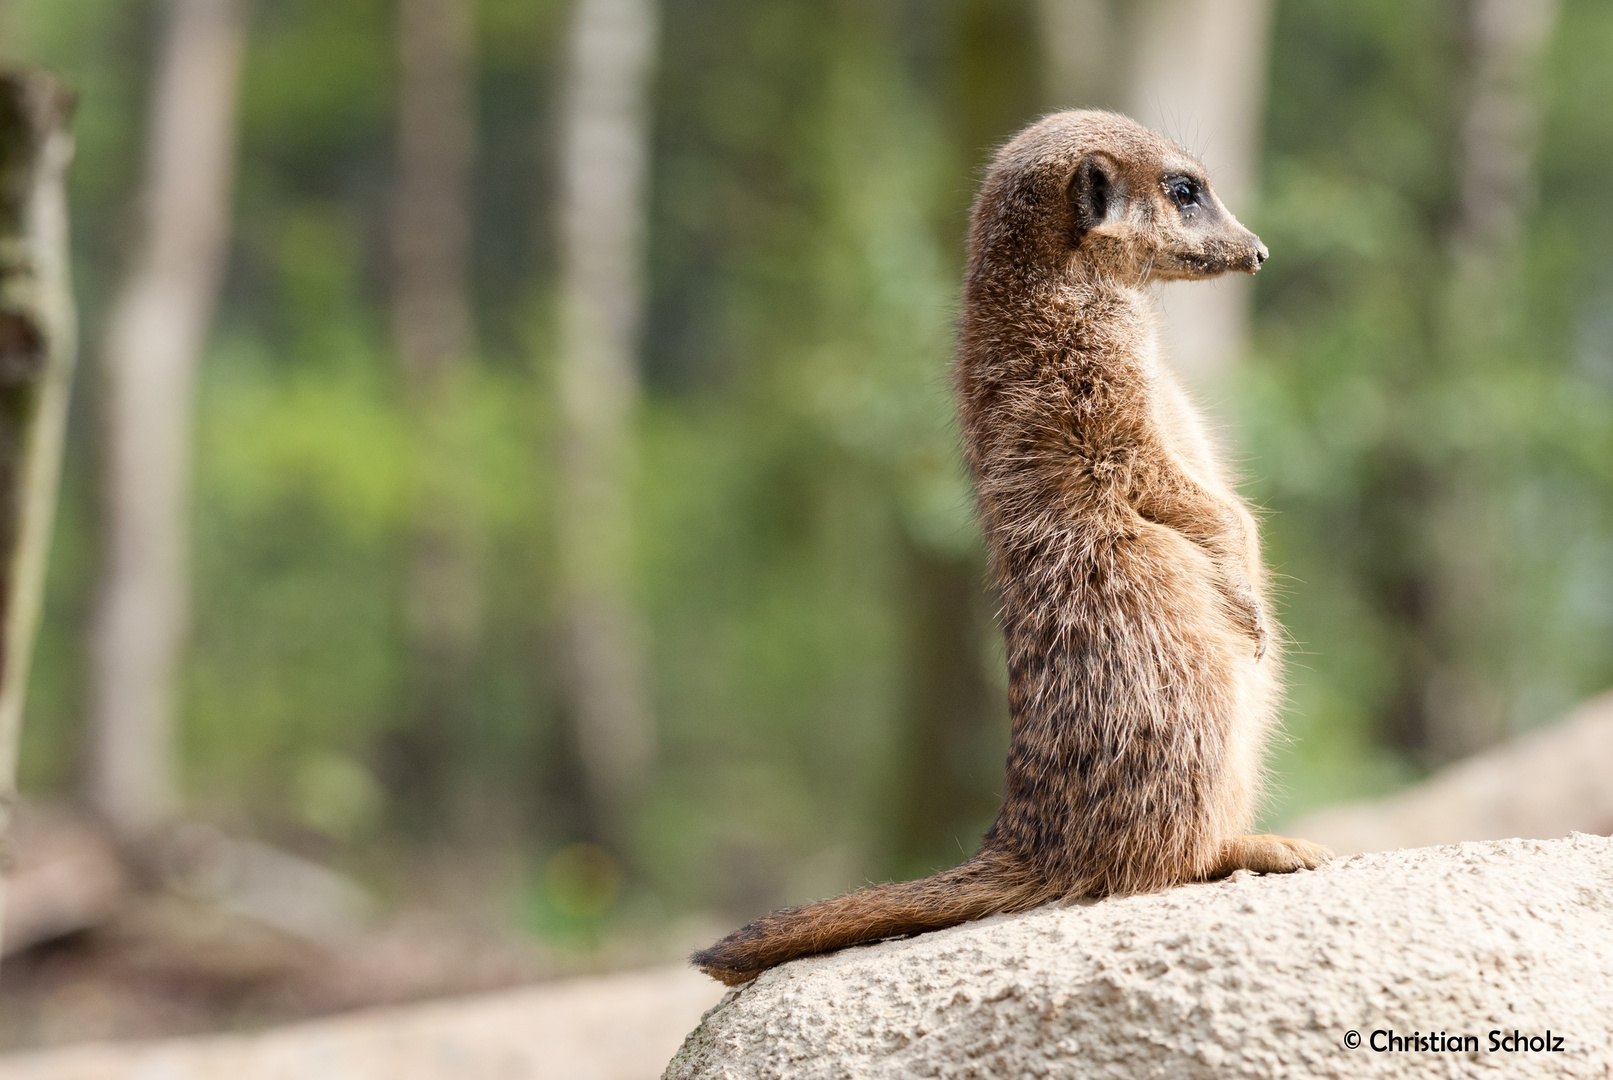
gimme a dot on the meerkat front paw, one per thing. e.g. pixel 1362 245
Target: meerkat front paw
pixel 1268 854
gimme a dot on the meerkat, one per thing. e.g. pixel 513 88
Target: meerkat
pixel 1142 657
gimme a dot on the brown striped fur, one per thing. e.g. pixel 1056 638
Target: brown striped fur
pixel 1143 663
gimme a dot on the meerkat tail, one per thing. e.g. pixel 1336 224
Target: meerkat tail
pixel 985 885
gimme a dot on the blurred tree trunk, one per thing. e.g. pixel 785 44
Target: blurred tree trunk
pixel 36 362
pixel 947 768
pixel 1454 690
pixel 605 158
pixel 155 335
pixel 952 714
pixel 432 322
pixel 1197 73
pixel 1079 41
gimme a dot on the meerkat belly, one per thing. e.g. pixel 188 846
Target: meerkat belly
pixel 1125 692
pixel 1253 686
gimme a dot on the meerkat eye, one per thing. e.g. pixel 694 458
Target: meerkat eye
pixel 1184 191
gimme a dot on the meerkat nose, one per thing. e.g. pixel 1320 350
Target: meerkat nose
pixel 1261 253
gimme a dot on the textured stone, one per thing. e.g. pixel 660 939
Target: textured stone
pixel 1252 976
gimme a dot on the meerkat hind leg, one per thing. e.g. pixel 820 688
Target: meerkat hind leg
pixel 1268 854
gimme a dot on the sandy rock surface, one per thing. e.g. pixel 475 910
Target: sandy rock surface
pixel 620 1027
pixel 1252 976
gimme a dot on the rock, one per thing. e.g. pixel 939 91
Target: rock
pixel 64 877
pixel 1542 785
pixel 1251 976
pixel 281 890
pixel 618 1027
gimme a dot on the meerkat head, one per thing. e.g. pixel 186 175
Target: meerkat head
pixel 1094 192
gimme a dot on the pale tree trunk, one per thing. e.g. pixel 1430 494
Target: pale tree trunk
pixel 1464 699
pixel 155 335
pixel 1500 134
pixel 433 326
pixel 603 195
pixel 36 363
pixel 1197 73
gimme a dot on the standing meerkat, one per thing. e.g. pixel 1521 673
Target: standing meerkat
pixel 1142 659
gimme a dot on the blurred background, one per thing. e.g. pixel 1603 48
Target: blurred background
pixel 511 478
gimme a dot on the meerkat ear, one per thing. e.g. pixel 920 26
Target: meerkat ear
pixel 1095 192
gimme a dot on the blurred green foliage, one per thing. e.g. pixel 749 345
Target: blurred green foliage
pixel 800 482
pixel 1365 415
